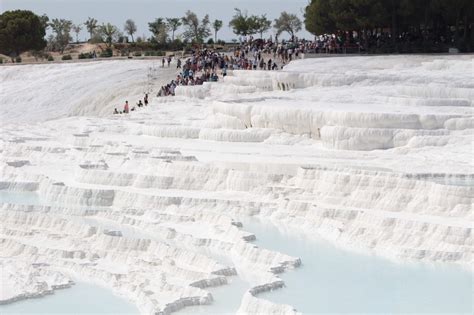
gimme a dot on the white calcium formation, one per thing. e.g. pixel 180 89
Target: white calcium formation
pixel 373 153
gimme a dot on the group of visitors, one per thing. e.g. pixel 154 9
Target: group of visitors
pixel 127 109
pixel 277 53
pixel 375 41
pixel 164 60
pixel 207 65
pixel 202 66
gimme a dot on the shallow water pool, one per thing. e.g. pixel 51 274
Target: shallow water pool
pixel 81 298
pixel 333 280
pixel 330 280
pixel 23 197
pixel 227 299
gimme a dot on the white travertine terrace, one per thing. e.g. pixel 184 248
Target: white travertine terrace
pixel 370 153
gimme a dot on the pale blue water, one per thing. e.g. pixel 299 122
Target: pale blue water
pixel 81 298
pixel 227 299
pixel 466 181
pixel 27 198
pixel 332 280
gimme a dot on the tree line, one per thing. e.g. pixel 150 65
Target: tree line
pixel 22 30
pixel 424 24
pixel 242 24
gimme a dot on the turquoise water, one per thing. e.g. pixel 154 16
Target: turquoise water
pixel 332 280
pixel 81 298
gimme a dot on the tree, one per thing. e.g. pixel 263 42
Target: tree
pixel 77 29
pixel 159 30
pixel 317 17
pixel 452 14
pixel 287 22
pixel 262 24
pixel 44 21
pixel 195 30
pixel 50 43
pixel 173 25
pixel 130 28
pixel 62 29
pixel 109 34
pixel 242 24
pixel 431 24
pixel 216 25
pixel 326 16
pixel 21 31
pixel 91 25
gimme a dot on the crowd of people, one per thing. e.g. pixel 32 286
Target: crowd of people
pixel 202 66
pixel 378 41
pixel 208 65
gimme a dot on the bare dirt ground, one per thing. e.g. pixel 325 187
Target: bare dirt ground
pixel 74 50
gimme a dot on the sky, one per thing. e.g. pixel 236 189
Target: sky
pixel 144 11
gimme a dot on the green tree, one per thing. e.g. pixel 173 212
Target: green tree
pixel 50 43
pixel 317 17
pixel 109 34
pixel 195 30
pixel 130 28
pixel 262 24
pixel 77 29
pixel 242 24
pixel 287 22
pixel 44 21
pixel 91 25
pixel 173 25
pixel 449 19
pixel 159 30
pixel 216 25
pixel 62 29
pixel 454 13
pixel 21 31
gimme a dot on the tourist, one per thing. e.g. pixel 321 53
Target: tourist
pixel 125 107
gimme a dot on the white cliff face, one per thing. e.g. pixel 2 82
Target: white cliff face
pixel 370 153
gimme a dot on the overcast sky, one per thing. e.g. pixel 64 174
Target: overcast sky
pixel 144 11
